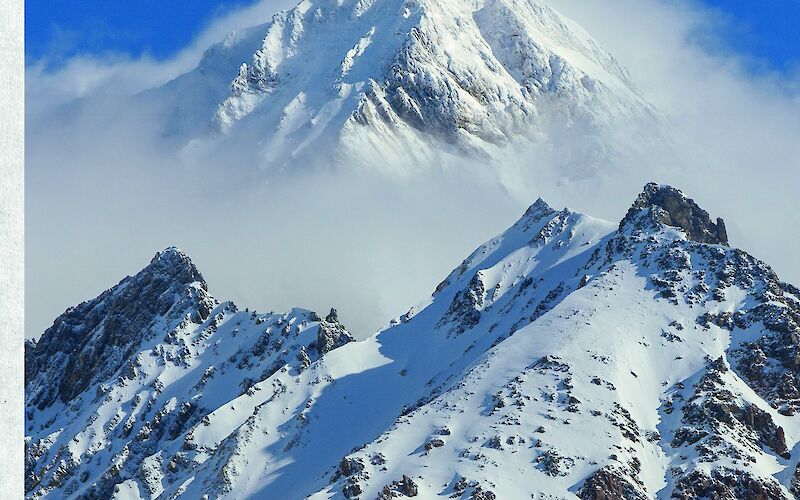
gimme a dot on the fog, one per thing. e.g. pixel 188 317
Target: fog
pixel 104 191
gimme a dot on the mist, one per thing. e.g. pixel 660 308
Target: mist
pixel 737 122
pixel 105 191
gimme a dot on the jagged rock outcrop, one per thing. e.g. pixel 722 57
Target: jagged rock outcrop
pixel 609 484
pixel 724 484
pixel 671 207
pixel 90 342
pixel 331 334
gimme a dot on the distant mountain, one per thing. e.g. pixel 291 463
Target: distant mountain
pixel 356 81
pixel 567 357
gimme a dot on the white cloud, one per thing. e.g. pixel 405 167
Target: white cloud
pixel 105 190
pixel 120 74
pixel 738 125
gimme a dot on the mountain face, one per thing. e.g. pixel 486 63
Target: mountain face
pixel 115 385
pixel 567 357
pixel 405 79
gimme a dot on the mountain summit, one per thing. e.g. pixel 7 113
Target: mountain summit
pixel 669 206
pixel 568 357
pixel 91 341
pixel 408 79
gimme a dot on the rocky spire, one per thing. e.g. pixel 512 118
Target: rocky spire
pixel 92 340
pixel 333 316
pixel 671 207
pixel 539 209
pixel 174 263
pixel 331 334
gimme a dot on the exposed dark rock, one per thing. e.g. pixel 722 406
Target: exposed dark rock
pixel 434 443
pixel 30 359
pixel 726 483
pixel 717 424
pixel 671 207
pixel 553 464
pixel 331 334
pixel 350 466
pixel 351 490
pixel 91 341
pixel 537 211
pixel 408 487
pixel 795 485
pixel 480 494
pixel 465 310
pixel 404 487
pixel 332 317
pixel 771 435
pixel 303 358
pixel 609 484
pixel 495 442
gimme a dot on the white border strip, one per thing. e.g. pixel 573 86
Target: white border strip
pixel 12 115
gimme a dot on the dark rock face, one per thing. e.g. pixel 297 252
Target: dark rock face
pixel 332 334
pixel 30 360
pixel 716 425
pixel 726 484
pixel 771 363
pixel 609 484
pixel 350 466
pixel 480 494
pixel 770 434
pixel 672 208
pixel 408 487
pixel 465 310
pixel 536 212
pixel 405 487
pixel 91 341
pixel 332 317
pixel 795 485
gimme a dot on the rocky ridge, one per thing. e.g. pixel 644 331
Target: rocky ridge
pixel 122 382
pixel 670 352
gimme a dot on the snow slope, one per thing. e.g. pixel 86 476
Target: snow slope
pixel 566 357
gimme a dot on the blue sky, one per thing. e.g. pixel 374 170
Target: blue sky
pixel 768 30
pixel 59 28
pixel 56 29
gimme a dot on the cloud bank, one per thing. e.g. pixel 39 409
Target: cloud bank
pixel 737 122
pixel 105 190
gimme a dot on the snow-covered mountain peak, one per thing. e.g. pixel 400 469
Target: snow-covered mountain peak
pixel 412 80
pixel 667 205
pixel 537 210
pixel 143 369
pixel 628 340
pixel 174 263
pixel 94 339
pixel 542 237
